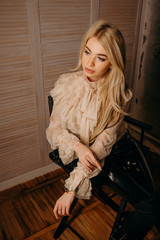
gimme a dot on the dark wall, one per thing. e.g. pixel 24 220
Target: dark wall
pixel 148 86
pixel 151 96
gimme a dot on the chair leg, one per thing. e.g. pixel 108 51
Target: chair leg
pixel 61 227
pixel 63 224
pixel 103 197
pixel 118 218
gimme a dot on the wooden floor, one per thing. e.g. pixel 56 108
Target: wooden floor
pixel 26 212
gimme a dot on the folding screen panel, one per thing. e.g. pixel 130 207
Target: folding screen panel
pixel 126 16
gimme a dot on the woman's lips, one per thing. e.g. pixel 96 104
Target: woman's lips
pixel 89 70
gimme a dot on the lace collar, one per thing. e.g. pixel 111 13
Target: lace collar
pixel 94 85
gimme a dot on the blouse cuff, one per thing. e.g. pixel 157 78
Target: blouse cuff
pixel 79 181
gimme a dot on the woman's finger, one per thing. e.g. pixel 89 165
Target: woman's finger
pixel 87 167
pixel 86 164
pixel 67 210
pixel 89 163
pixel 55 211
pixel 94 161
pixel 63 211
pixel 63 204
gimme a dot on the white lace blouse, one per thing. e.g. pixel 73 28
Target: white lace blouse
pixel 76 105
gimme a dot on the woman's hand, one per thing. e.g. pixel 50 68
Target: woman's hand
pixel 87 157
pixel 63 204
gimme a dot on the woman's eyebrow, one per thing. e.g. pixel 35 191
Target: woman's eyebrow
pixel 88 48
pixel 99 54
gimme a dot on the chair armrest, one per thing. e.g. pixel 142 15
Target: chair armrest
pixel 143 126
pixel 138 123
pixel 54 156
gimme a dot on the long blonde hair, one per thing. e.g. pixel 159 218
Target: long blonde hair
pixel 114 93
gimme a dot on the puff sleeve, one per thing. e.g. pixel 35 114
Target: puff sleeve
pixel 58 137
pixel 105 141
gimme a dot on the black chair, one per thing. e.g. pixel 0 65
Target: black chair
pixel 138 183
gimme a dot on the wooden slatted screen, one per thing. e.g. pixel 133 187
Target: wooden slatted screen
pixel 20 151
pixel 125 15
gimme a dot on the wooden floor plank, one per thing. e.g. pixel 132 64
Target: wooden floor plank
pixel 10 227
pixel 43 231
pixel 94 225
pixel 22 216
pixel 81 228
pixel 26 213
pixel 43 207
pixel 99 224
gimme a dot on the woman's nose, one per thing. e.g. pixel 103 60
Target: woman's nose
pixel 91 62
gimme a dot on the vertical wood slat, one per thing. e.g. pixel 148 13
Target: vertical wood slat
pixel 124 14
pixel 33 10
pixel 94 11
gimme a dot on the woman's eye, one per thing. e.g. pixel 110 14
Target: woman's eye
pixel 101 59
pixel 86 52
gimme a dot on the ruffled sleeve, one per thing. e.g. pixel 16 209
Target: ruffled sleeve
pixel 58 137
pixel 104 142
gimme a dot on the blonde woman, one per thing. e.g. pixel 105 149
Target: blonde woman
pixel 89 107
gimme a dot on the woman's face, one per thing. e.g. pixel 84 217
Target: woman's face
pixel 95 62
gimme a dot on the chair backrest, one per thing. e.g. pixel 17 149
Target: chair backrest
pixel 50 104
